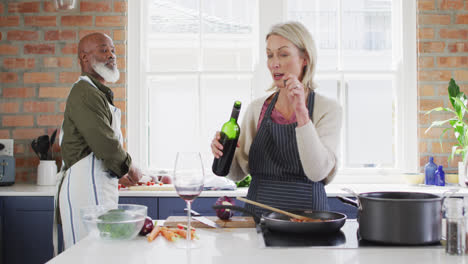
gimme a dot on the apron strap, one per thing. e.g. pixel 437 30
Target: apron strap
pixel 57 217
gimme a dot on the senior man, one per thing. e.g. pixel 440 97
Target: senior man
pixel 91 140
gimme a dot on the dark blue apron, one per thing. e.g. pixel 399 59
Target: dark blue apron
pixel 278 178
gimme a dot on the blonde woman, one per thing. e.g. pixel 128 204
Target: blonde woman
pixel 289 139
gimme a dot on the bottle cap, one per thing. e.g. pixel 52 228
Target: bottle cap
pixel 237 104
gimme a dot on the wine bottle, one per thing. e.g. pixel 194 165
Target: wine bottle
pixel 229 135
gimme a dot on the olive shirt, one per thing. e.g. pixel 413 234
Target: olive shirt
pixel 87 128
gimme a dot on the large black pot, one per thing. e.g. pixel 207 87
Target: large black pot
pixel 403 218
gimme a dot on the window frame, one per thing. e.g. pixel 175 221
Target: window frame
pixel 406 143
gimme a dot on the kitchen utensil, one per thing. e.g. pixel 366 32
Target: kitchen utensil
pixel 43 145
pixel 52 140
pixel 233 222
pixel 405 218
pixel 202 219
pixel 34 147
pixel 278 222
pixel 120 222
pixel 296 216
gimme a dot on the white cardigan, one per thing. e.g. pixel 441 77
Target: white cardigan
pixel 317 141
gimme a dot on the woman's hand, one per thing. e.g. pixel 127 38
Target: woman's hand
pixel 296 97
pixel 216 146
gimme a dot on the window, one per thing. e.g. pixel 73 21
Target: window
pixel 196 59
pixel 190 59
pixel 362 64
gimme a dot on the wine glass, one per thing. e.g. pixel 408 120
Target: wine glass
pixel 189 177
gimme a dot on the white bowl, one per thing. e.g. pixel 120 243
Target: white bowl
pixel 121 222
pixel 414 178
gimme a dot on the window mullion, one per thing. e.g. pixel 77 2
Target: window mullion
pixel 200 73
pixel 343 98
pixel 339 36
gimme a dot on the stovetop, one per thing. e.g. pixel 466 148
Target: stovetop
pixel 347 237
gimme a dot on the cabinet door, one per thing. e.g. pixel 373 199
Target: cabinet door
pixel 338 206
pixel 27 229
pixel 175 206
pixel 150 202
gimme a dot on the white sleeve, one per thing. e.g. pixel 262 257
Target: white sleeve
pixel 318 142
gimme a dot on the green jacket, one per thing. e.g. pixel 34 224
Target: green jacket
pixel 87 128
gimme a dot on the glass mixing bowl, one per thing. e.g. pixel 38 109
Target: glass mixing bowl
pixel 121 222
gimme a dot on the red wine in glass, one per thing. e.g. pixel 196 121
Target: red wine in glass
pixel 189 196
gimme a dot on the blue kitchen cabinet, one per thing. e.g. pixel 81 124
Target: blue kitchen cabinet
pixel 2 238
pixel 150 202
pixel 27 229
pixel 175 206
pixel 338 206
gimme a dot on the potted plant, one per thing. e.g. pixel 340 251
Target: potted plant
pixel 457 124
pixel 47 169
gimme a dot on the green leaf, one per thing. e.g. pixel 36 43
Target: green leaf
pixel 439 123
pixel 460 102
pixel 453 91
pixel 454 150
pixel 438 109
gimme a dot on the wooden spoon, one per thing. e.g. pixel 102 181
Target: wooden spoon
pixel 296 216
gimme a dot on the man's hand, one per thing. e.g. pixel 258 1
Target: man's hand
pixel 132 177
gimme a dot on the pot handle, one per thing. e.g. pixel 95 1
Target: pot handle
pixel 356 203
pixel 351 202
pixel 448 194
pixel 239 209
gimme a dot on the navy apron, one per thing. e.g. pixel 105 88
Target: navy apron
pixel 278 178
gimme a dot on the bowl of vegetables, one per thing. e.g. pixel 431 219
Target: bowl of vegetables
pixel 120 222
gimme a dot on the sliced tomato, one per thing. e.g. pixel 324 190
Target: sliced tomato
pixel 184 227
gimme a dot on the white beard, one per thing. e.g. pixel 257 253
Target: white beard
pixel 107 74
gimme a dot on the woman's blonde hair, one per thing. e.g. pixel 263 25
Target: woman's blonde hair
pixel 302 39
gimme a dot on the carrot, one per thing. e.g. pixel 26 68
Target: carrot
pixel 168 234
pixel 183 233
pixel 154 233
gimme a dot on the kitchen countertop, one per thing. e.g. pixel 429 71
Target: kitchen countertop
pixel 332 190
pixel 241 245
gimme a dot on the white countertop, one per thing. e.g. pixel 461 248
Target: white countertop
pixel 241 245
pixel 331 189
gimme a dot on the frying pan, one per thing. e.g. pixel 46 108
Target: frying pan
pixel 281 223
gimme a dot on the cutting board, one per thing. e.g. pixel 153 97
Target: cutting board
pixel 164 187
pixel 234 222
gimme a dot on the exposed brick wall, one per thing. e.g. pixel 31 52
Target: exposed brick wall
pixel 442 54
pixel 38 65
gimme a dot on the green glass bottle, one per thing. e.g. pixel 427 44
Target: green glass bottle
pixel 229 135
